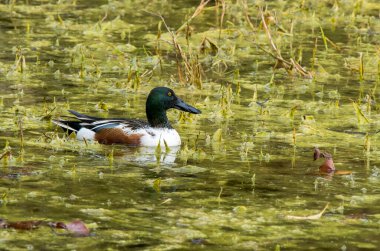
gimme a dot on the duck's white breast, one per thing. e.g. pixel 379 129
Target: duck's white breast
pixel 152 136
pixel 86 134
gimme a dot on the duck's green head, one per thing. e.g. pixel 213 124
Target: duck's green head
pixel 161 99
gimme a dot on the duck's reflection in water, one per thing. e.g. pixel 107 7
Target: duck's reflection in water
pixel 147 156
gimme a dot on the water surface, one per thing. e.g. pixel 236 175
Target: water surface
pixel 245 163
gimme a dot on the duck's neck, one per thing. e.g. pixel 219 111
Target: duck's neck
pixel 157 117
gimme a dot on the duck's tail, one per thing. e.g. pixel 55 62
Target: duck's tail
pixel 69 126
pixel 74 126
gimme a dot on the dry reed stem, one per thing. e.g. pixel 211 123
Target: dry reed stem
pixel 199 9
pixel 178 51
pixel 267 31
pixel 6 153
pixel 193 69
pixel 247 18
pixel 333 44
pixel 281 62
pixel 223 2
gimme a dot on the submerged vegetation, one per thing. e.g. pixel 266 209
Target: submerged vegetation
pixel 274 80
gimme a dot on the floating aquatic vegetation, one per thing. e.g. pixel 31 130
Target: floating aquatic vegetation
pixel 244 161
pixel 189 169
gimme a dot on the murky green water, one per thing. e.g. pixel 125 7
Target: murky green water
pixel 245 164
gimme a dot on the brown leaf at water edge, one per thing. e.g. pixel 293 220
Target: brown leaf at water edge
pixel 20 225
pixel 328 166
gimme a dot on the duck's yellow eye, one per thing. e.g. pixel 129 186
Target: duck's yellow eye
pixel 169 94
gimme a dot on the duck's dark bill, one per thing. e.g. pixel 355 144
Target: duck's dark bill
pixel 181 105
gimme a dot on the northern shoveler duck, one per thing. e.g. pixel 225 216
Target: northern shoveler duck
pixel 133 132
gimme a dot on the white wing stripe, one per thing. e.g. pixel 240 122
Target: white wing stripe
pixel 103 125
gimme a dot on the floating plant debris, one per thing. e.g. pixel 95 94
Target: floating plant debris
pixel 75 228
pixel 309 217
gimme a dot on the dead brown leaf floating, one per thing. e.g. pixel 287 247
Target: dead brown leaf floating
pixel 20 225
pixel 76 228
pixel 309 217
pixel 328 166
